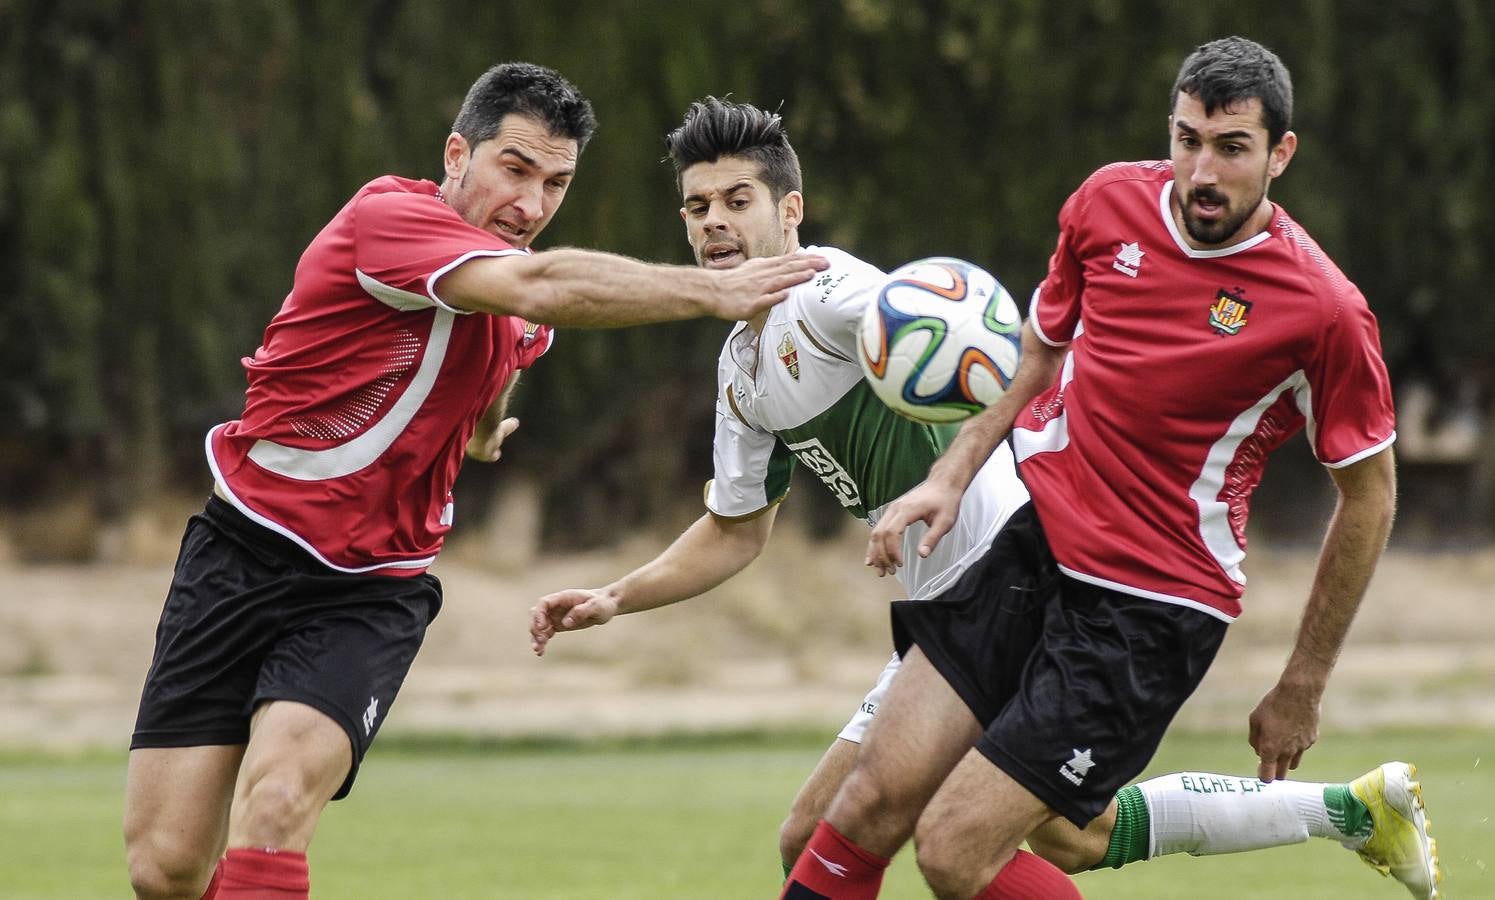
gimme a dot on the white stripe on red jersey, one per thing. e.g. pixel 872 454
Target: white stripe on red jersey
pixel 1185 369
pixel 367 387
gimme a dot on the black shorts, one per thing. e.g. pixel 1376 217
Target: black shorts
pixel 1074 683
pixel 251 617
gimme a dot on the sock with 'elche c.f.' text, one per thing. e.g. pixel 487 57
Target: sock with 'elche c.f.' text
pixel 1203 814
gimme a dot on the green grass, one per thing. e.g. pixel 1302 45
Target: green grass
pixel 684 818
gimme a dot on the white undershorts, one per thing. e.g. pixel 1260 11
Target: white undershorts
pixel 857 727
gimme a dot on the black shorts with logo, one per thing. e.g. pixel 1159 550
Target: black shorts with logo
pixel 1074 683
pixel 252 617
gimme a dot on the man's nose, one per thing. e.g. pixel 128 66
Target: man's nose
pixel 1206 168
pixel 528 203
pixel 715 220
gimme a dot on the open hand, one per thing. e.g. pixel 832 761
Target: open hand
pixel 932 503
pixel 757 284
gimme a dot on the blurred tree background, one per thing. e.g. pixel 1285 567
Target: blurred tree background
pixel 163 164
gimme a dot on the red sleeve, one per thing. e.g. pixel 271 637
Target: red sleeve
pixel 404 241
pixel 1055 309
pixel 1353 415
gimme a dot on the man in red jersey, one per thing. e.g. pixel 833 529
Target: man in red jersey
pixel 1187 327
pixel 300 596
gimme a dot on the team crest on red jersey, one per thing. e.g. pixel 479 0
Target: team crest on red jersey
pixel 530 330
pixel 789 356
pixel 1228 315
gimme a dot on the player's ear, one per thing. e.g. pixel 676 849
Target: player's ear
pixel 455 156
pixel 792 209
pixel 1282 154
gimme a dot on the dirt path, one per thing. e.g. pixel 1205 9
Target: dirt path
pixel 795 640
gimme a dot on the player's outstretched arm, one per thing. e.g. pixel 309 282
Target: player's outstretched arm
pixel 588 289
pixel 709 552
pixel 936 501
pixel 1285 724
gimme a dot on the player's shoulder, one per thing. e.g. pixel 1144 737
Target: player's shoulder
pixel 1119 179
pixel 1298 251
pixel 1113 188
pixel 845 272
pixel 840 259
pixel 405 209
pixel 393 191
pixel 1150 171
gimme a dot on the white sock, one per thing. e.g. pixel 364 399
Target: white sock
pixel 1203 814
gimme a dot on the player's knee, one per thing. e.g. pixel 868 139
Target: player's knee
pixel 273 810
pixel 163 870
pixel 944 868
pixel 864 797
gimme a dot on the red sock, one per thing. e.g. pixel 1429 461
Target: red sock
pixel 1029 877
pixel 212 890
pixel 833 868
pixel 266 874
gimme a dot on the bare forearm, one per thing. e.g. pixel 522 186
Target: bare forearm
pixel 1356 537
pixel 708 553
pixel 583 288
pixel 588 289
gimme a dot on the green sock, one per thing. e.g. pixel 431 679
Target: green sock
pixel 1129 836
pixel 1346 812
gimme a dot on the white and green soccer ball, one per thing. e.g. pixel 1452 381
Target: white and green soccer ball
pixel 941 340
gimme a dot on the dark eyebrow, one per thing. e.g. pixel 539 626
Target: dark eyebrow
pixel 729 191
pixel 529 161
pixel 1228 135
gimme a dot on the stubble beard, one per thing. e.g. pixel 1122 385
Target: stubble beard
pixel 1218 232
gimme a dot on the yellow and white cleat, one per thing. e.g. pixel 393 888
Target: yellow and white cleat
pixel 1399 845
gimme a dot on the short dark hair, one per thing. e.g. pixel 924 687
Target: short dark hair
pixel 1231 70
pixel 535 91
pixel 715 128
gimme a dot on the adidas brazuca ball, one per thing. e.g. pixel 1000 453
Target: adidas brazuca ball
pixel 941 340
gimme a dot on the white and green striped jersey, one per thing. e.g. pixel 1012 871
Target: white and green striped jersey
pixel 794 393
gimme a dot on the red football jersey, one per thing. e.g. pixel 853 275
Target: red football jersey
pixel 1185 368
pixel 367 387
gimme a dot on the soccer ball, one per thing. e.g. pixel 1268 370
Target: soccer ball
pixel 940 342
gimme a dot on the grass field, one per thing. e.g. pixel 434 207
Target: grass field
pixel 686 819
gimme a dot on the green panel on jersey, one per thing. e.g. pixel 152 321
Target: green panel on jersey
pixel 780 468
pixel 865 453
